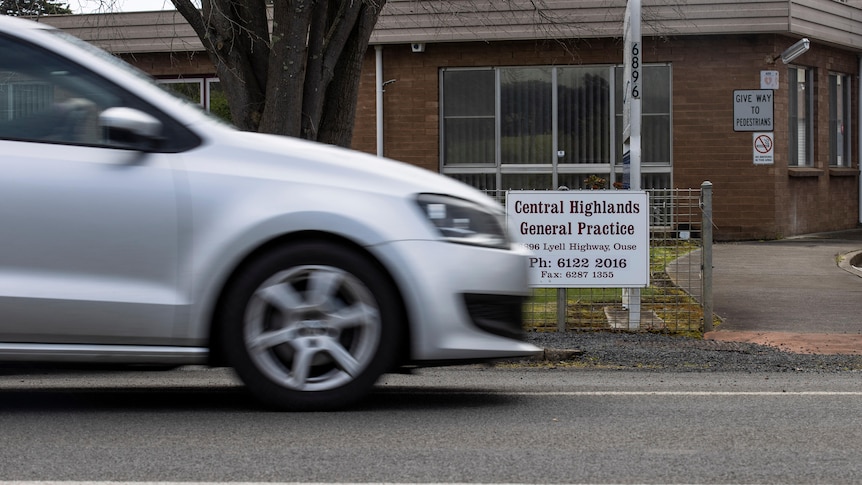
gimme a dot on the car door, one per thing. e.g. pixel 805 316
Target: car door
pixel 89 232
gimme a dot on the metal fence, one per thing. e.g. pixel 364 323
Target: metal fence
pixel 678 299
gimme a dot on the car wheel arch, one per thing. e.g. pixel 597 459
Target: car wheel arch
pixel 217 354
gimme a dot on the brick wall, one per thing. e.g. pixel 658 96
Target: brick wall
pixel 750 201
pixel 175 64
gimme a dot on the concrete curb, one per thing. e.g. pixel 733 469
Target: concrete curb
pixel 557 355
pixel 851 262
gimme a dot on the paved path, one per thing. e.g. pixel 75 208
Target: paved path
pixel 791 293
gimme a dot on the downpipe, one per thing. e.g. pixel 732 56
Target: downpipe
pixel 378 60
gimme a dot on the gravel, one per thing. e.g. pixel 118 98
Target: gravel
pixel 650 351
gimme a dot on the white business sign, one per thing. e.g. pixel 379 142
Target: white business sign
pixel 753 109
pixel 583 238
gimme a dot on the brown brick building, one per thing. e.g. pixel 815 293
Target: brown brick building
pixel 496 95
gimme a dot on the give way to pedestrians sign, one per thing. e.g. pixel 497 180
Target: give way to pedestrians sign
pixel 753 110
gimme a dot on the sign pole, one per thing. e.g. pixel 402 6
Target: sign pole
pixel 632 65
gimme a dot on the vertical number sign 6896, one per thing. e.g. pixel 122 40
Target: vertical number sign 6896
pixel 636 70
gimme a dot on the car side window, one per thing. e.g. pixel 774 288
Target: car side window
pixel 47 98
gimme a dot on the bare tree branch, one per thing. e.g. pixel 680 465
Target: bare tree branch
pixel 298 77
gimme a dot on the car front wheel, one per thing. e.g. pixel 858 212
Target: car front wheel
pixel 311 326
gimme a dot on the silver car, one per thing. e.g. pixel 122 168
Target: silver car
pixel 134 228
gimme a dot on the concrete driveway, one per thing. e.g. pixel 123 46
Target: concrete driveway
pixel 800 293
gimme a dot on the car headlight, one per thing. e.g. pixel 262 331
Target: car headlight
pixel 464 222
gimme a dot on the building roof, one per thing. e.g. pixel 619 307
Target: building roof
pixel 836 22
pixel 132 32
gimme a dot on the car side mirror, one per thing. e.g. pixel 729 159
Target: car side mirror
pixel 131 128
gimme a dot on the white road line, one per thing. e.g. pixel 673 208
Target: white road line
pixel 698 393
pixel 254 483
pixel 634 393
pixel 258 483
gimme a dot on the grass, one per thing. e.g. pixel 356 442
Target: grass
pixel 679 313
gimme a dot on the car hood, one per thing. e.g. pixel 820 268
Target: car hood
pixel 290 159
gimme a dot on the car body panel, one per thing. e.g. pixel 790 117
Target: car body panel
pixel 118 254
pixel 71 257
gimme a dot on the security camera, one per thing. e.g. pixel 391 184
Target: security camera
pixel 795 51
pixel 417 47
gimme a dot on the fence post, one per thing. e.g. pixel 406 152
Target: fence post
pixel 706 264
pixel 562 304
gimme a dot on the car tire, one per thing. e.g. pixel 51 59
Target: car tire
pixel 311 326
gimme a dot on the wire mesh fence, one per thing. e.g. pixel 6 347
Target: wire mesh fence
pixel 667 304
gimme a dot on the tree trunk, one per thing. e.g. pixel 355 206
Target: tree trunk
pixel 299 79
pixel 339 114
pixel 286 78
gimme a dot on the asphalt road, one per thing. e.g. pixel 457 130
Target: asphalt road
pixel 463 424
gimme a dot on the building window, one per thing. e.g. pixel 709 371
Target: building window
pixel 19 99
pixel 800 108
pixel 190 89
pixel 543 127
pixel 206 92
pixel 217 100
pixel 839 120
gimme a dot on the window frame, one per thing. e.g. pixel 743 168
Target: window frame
pixel 840 94
pixel 549 174
pixel 793 106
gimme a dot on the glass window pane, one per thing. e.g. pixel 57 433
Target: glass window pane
pixel 651 180
pixel 468 93
pixel 49 99
pixel 218 101
pixel 468 117
pixel 655 116
pixel 527 181
pixel 799 130
pixel 526 117
pixel 583 103
pixel 838 111
pixel 482 181
pixel 801 120
pixel 656 89
pixel 655 139
pixel 468 141
pixel 188 89
pixel 655 181
pixel 844 126
pixel 578 181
